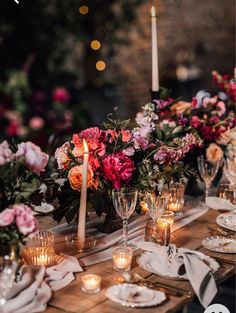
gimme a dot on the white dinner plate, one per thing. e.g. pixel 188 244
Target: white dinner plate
pixel 220 244
pixel 227 220
pixel 148 262
pixel 132 295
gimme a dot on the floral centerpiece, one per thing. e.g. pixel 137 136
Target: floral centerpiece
pixel 123 153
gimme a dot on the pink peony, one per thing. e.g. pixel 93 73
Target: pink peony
pixel 61 95
pixel 125 135
pixel 35 159
pixel 26 223
pixel 6 154
pixel 36 122
pixel 118 168
pixel 90 133
pixel 7 217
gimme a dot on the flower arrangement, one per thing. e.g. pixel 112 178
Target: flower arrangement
pixel 17 223
pixel 20 166
pixel 136 154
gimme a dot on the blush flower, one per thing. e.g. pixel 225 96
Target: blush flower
pixel 35 159
pixel 214 153
pixel 6 154
pixel 118 168
pixel 61 155
pixel 7 217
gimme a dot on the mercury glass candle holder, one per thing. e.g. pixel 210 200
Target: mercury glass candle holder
pixel 158 232
pixel 40 250
pixel 91 283
pixel 122 258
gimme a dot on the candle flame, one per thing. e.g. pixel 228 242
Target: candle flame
pixel 86 149
pixel 153 11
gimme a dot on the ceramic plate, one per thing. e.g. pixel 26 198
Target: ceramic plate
pixel 227 220
pixel 131 295
pixel 220 244
pixel 148 263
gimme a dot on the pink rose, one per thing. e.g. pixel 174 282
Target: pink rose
pixel 195 122
pixel 6 154
pixel 90 133
pixel 61 95
pixel 35 159
pixel 125 135
pixel 26 223
pixel 7 217
pixel 118 168
pixel 36 122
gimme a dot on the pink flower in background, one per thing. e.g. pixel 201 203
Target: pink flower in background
pixel 6 154
pixel 162 104
pixel 36 122
pixel 207 101
pixel 129 151
pixel 111 134
pixel 125 135
pixel 25 220
pixel 61 155
pixel 162 155
pixel 195 122
pixel 61 95
pixel 221 108
pixel 141 137
pixel 7 217
pixel 35 159
pixel 194 103
pixel 90 133
pixel 118 168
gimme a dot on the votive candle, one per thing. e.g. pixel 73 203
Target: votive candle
pixel 168 216
pixel 122 258
pixel 91 283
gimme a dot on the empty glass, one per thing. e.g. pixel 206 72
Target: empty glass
pixel 124 203
pixel 8 269
pixel 156 204
pixel 208 171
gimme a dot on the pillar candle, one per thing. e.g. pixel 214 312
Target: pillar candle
pixel 155 74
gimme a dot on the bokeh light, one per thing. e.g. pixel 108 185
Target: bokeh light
pixel 100 65
pixel 83 9
pixel 95 45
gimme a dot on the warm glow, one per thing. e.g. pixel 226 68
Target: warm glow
pixel 153 11
pixel 100 65
pixel 86 149
pixel 83 9
pixel 95 45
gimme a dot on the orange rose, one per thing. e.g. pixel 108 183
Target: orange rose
pixel 180 107
pixel 75 177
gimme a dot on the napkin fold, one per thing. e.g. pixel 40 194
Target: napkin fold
pixel 187 264
pixel 34 287
pixel 217 203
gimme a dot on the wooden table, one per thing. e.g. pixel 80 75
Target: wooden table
pixel 72 299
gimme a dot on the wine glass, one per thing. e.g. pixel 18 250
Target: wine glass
pixel 156 204
pixel 230 171
pixel 8 269
pixel 124 203
pixel 208 171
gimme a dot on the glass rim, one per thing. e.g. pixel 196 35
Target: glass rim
pixel 115 191
pixel 125 249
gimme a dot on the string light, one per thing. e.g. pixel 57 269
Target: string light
pixel 95 45
pixel 100 65
pixel 83 9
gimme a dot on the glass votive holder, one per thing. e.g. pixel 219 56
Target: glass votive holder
pixel 122 258
pixel 91 283
pixel 226 191
pixel 176 197
pixel 158 232
pixel 40 250
pixel 168 216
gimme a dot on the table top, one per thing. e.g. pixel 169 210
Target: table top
pixel 71 299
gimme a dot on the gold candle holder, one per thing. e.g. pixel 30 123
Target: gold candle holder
pixel 40 250
pixel 91 283
pixel 158 232
pixel 168 216
pixel 122 258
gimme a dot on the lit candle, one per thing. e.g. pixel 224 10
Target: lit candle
pixel 174 206
pixel 168 217
pixel 122 258
pixel 83 200
pixel 155 74
pixel 91 283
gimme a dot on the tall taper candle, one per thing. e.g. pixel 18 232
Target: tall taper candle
pixel 83 200
pixel 155 74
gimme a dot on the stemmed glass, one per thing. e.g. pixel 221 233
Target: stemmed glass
pixel 230 171
pixel 208 171
pixel 8 269
pixel 124 203
pixel 156 204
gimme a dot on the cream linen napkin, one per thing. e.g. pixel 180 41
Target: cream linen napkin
pixel 35 285
pixel 187 264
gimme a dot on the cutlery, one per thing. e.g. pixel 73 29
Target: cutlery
pixel 219 231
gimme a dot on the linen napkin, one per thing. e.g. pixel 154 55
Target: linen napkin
pixel 217 203
pixel 35 285
pixel 184 263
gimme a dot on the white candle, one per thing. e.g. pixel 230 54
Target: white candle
pixel 91 283
pixel 83 200
pixel 155 74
